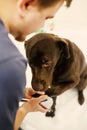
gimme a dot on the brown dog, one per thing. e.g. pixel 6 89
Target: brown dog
pixel 58 63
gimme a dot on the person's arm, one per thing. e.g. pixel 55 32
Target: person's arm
pixel 32 105
pixel 19 118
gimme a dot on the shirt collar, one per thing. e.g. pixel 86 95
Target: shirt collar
pixel 2 27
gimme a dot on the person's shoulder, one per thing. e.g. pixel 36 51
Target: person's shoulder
pixel 7 48
pixel 8 51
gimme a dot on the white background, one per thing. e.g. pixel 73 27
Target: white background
pixel 70 23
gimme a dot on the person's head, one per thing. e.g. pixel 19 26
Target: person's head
pixel 22 17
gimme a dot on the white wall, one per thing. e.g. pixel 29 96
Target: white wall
pixel 73 18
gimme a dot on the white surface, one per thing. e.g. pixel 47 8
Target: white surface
pixel 48 103
pixel 72 24
pixel 69 115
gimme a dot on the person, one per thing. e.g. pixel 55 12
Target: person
pixel 19 18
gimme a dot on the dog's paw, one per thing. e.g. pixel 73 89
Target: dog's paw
pixel 51 92
pixel 50 114
pixel 20 129
pixel 81 99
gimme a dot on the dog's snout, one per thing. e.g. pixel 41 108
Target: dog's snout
pixel 42 82
pixel 38 85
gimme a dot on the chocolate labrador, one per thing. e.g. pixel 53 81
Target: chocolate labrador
pixel 57 65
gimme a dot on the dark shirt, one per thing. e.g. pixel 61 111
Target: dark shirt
pixel 12 79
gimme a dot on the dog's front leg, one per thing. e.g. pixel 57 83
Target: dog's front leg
pixel 51 112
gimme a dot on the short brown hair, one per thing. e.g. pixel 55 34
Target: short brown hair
pixel 47 3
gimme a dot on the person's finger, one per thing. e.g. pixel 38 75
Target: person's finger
pixel 40 92
pixel 42 98
pixel 29 92
pixel 42 108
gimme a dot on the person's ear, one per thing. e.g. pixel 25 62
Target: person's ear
pixel 23 6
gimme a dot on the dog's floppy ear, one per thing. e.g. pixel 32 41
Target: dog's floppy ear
pixel 30 43
pixel 63 47
pixel 26 45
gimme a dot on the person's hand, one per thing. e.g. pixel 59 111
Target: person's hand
pixel 34 103
pixel 29 92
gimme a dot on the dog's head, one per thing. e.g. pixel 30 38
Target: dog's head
pixel 43 52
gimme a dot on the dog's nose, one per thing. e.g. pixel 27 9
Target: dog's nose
pixel 39 86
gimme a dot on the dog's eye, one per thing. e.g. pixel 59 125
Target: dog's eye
pixel 46 66
pixel 44 61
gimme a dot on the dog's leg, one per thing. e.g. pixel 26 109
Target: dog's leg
pixel 81 86
pixel 51 113
pixel 80 97
pixel 20 129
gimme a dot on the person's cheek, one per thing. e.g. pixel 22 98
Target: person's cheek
pixel 39 25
